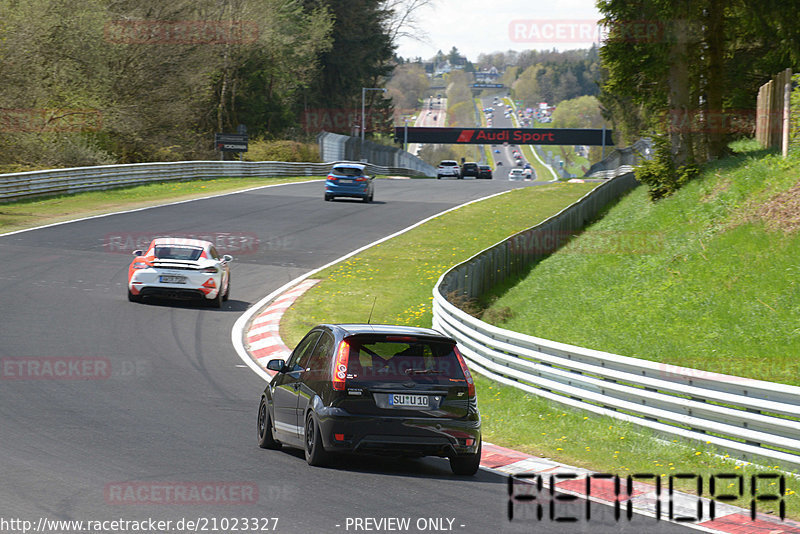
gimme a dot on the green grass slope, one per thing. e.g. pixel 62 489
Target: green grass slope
pixel 707 278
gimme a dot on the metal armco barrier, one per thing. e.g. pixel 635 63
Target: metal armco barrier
pixel 749 419
pixel 336 147
pixel 73 180
pixel 621 161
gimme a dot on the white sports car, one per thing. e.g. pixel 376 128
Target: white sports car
pixel 188 269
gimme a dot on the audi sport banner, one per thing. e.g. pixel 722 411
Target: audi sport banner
pixel 514 136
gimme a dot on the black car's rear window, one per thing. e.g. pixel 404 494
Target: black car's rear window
pixel 391 359
pixel 346 171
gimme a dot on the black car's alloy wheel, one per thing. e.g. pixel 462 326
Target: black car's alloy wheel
pixel 266 440
pixel 315 453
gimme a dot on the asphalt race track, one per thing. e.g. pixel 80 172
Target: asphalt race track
pixel 161 421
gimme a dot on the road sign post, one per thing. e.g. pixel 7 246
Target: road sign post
pixel 230 142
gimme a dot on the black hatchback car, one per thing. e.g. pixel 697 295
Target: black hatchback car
pixel 470 169
pixel 373 389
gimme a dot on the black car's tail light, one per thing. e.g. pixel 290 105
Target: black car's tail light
pixel 340 366
pixel 467 374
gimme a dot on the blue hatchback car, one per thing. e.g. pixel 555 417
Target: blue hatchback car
pixel 349 180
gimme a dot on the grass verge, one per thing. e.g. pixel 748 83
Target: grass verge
pixel 706 279
pixel 399 275
pixel 29 213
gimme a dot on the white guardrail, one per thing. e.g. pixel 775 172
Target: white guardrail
pixel 749 419
pixel 76 179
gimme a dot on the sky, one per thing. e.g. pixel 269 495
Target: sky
pixel 481 26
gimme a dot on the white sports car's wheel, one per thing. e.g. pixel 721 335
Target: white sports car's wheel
pixel 216 302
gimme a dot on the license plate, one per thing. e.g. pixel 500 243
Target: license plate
pixel 344 181
pixel 166 279
pixel 413 401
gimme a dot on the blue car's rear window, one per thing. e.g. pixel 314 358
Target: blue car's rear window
pixel 346 171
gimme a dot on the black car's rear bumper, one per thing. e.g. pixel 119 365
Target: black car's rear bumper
pixel 370 434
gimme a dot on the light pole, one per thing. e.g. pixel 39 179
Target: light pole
pixel 363 95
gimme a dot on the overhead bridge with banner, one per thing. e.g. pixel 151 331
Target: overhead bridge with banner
pixel 520 136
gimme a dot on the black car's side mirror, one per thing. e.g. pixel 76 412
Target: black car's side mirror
pixel 276 365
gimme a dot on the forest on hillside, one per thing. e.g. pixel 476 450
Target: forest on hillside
pixel 86 82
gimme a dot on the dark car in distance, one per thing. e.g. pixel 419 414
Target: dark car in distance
pixel 373 389
pixel 470 169
pixel 484 172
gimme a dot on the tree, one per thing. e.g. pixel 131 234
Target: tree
pixel 581 112
pixel 360 55
pixel 408 85
pixel 706 61
pixel 454 57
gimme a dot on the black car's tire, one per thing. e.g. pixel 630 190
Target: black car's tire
pixel 438 176
pixel 266 439
pixel 468 464
pixel 315 452
pixel 227 289
pixel 134 298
